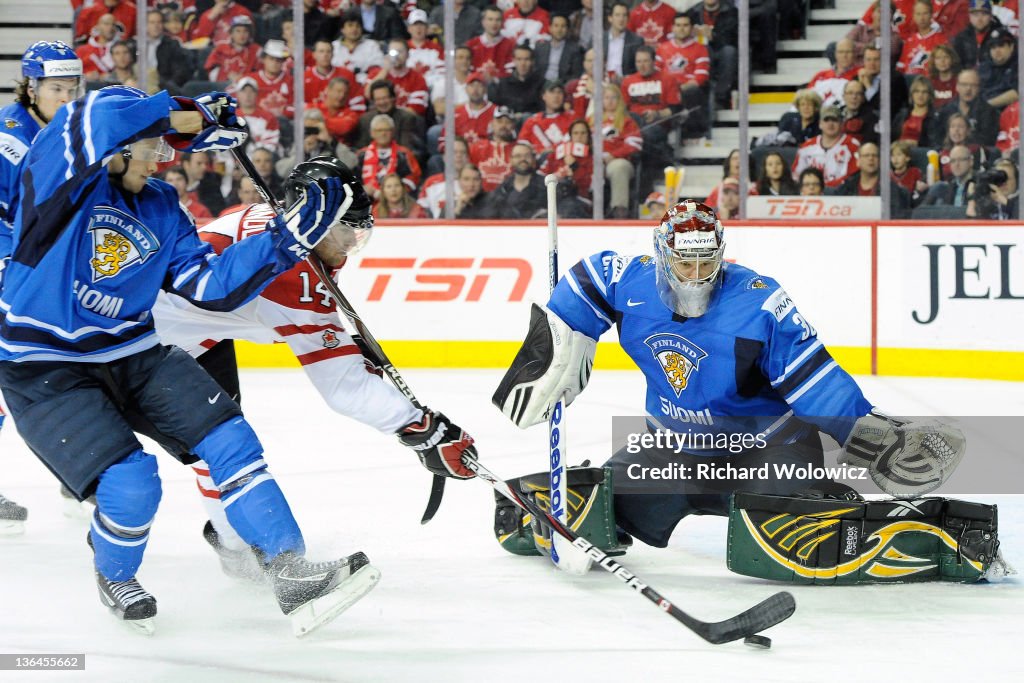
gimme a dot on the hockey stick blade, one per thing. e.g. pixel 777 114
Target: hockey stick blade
pixel 761 616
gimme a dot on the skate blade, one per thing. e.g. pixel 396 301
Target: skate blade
pixel 145 627
pixel 323 610
pixel 12 527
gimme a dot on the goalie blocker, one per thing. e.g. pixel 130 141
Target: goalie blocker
pixel 840 542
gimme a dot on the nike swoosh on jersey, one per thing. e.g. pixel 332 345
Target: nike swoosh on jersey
pixel 213 399
pixel 631 303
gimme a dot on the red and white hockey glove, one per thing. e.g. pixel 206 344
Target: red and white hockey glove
pixel 439 444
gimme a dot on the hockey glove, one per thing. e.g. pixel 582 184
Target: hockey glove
pixel 439 444
pixel 223 128
pixel 307 221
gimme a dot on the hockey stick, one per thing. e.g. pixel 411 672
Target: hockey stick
pixel 556 427
pixel 761 616
pixel 362 337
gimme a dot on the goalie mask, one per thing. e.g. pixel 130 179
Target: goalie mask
pixel 688 246
pixel 352 232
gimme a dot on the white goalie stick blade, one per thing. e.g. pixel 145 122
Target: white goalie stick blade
pixel 571 559
pixel 325 609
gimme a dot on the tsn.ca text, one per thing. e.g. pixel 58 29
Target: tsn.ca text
pixel 803 207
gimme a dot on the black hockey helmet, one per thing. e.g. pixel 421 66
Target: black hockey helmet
pixel 353 230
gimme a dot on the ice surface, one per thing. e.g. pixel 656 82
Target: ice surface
pixel 452 606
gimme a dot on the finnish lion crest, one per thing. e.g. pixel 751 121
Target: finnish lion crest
pixel 678 357
pixel 118 241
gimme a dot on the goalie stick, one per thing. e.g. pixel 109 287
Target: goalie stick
pixel 362 337
pixel 761 616
pixel 556 422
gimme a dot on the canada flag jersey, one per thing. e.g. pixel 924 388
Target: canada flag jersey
pixel 836 162
pixel 1009 128
pixel 494 161
pixel 531 28
pixel 228 62
pixel 275 94
pixel 545 131
pixel 315 86
pixel 686 62
pixel 473 124
pixel 491 58
pixel 653 24
pixel 916 50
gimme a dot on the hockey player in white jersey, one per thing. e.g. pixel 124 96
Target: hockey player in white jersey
pixel 726 353
pixel 81 367
pixel 297 310
pixel 51 76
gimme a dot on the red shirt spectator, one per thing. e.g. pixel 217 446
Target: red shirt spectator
pixel 215 23
pixel 832 152
pixel 909 179
pixel 652 21
pixel 572 159
pixel 918 45
pixel 473 119
pixel 1009 128
pixel 95 54
pixel 275 85
pixel 950 15
pixel 124 13
pixel 425 54
pixel 321 73
pixel 547 129
pixel 339 116
pixel 410 86
pixel 494 156
pixel 236 57
pixel 526 22
pixel 264 130
pixel 682 57
pixel 492 52
pixel 377 160
pixel 648 90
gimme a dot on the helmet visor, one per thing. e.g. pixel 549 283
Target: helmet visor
pixel 151 149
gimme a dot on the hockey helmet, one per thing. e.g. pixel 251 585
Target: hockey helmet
pixel 50 59
pixel 688 243
pixel 352 232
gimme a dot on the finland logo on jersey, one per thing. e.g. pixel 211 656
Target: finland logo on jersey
pixel 118 241
pixel 678 357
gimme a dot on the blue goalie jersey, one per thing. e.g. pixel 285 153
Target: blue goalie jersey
pixel 89 258
pixel 752 364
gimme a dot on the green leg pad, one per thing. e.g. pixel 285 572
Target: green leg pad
pixel 836 542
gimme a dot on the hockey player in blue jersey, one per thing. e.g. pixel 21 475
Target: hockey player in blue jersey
pixel 51 77
pixel 81 368
pixel 736 378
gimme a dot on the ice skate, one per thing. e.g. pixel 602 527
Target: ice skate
pixel 73 509
pixel 999 569
pixel 238 564
pixel 128 601
pixel 12 517
pixel 315 593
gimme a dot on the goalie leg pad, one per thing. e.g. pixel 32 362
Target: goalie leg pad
pixel 839 542
pixel 590 513
pixel 554 361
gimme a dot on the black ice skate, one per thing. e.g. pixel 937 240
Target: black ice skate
pixel 12 517
pixel 128 601
pixel 315 593
pixel 238 564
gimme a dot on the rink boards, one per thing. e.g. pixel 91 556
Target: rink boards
pixel 903 298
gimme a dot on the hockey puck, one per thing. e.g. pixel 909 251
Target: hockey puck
pixel 758 642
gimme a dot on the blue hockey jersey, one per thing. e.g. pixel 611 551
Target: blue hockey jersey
pixel 752 364
pixel 17 131
pixel 88 258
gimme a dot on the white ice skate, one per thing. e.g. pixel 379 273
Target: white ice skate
pixel 313 594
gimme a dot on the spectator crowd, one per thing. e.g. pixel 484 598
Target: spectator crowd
pixel 374 95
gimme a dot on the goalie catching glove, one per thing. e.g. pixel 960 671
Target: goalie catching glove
pixel 904 458
pixel 554 363
pixel 440 444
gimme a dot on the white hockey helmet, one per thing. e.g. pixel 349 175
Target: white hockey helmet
pixel 688 247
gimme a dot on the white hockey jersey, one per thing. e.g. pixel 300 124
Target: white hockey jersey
pixel 295 309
